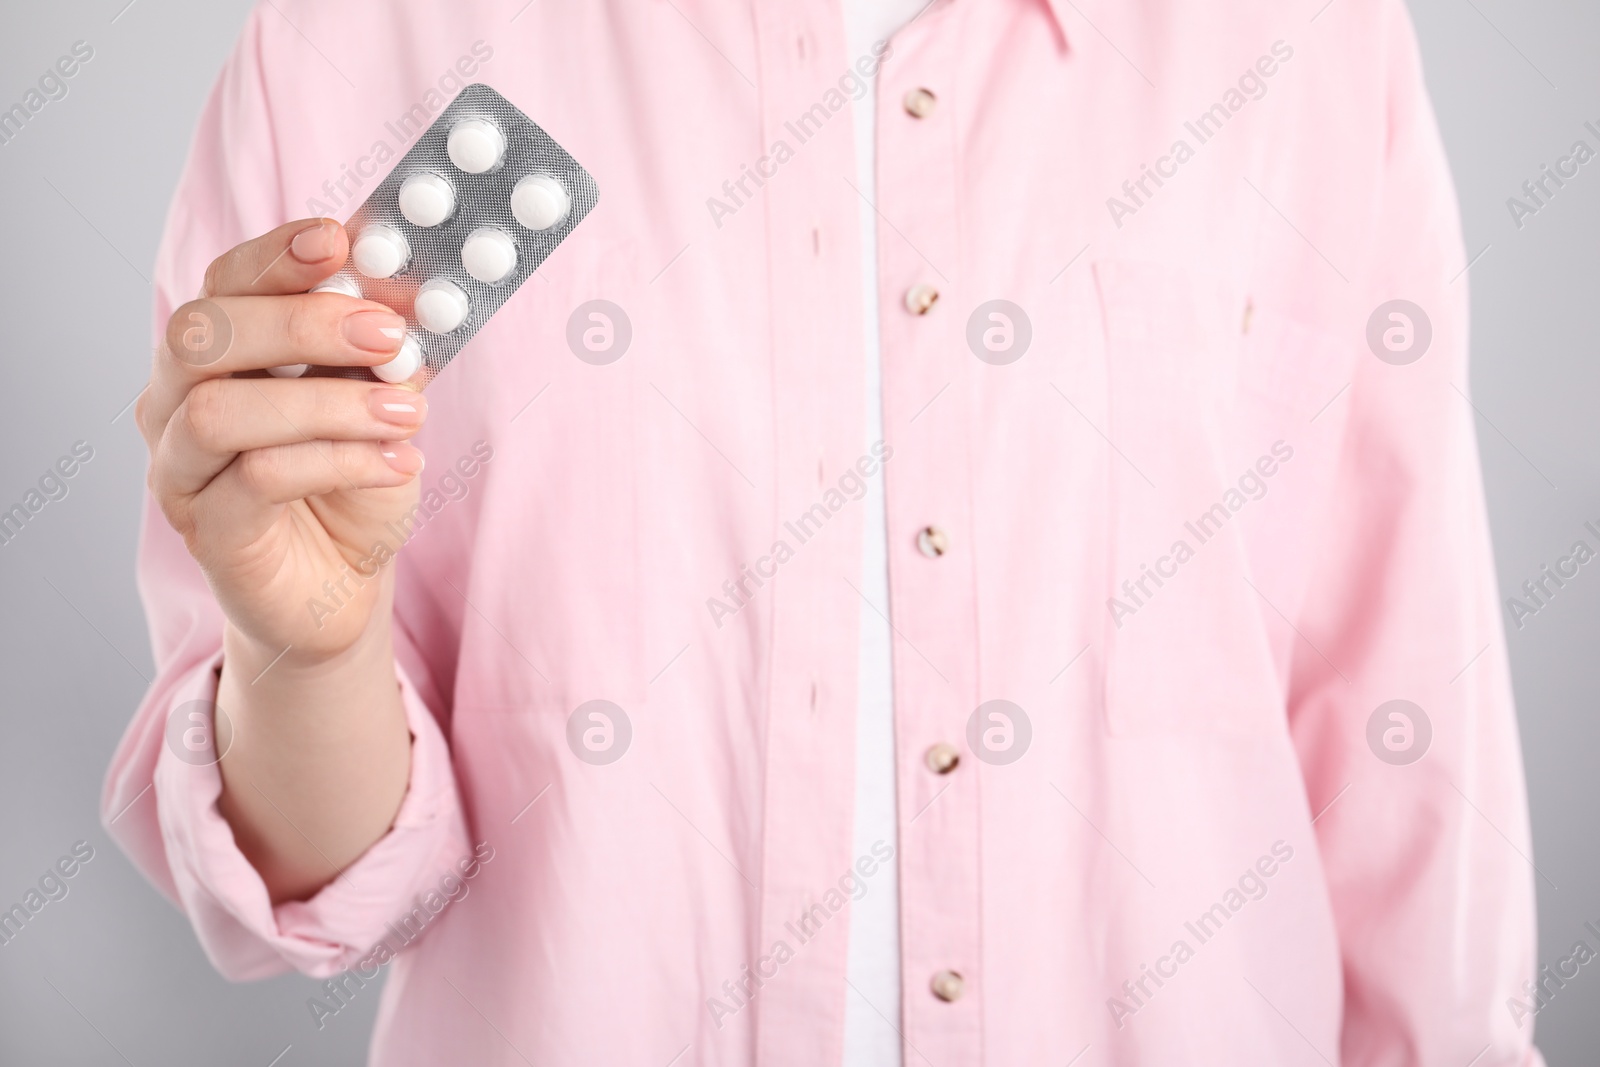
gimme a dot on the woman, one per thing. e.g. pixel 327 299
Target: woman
pixel 931 570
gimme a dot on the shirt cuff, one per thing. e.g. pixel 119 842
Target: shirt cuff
pixel 244 935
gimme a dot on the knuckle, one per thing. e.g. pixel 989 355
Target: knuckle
pixel 254 471
pixel 262 470
pixel 175 508
pixel 216 270
pixel 352 456
pixel 331 403
pixel 220 271
pixel 306 325
pixel 206 412
pixel 307 406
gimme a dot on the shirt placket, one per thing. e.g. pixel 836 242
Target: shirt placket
pixel 931 565
pixel 815 306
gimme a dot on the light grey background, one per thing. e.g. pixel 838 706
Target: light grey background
pixel 113 975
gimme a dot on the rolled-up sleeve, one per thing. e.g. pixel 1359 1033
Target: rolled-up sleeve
pixel 1423 823
pixel 160 799
pixel 161 806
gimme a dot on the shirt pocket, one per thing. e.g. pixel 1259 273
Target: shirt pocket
pixel 1187 645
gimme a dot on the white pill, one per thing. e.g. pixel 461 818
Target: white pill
pixel 489 254
pixel 402 366
pixel 441 306
pixel 293 370
pixel 476 145
pixel 338 284
pixel 380 252
pixel 426 199
pixel 540 201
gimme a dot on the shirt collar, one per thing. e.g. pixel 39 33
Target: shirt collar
pixel 1061 9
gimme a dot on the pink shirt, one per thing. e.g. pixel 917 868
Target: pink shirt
pixel 1197 532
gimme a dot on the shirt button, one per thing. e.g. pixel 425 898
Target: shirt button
pixel 948 986
pixel 921 298
pixel 933 542
pixel 942 758
pixel 919 103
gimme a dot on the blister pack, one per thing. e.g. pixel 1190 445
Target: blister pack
pixel 464 218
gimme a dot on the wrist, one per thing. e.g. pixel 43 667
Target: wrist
pixel 253 660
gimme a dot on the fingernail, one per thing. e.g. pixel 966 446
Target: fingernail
pixel 399 406
pixel 401 456
pixel 375 331
pixel 313 245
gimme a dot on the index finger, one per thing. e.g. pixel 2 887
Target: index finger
pixel 289 259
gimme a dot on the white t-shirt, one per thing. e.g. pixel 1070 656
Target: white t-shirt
pixel 874 965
